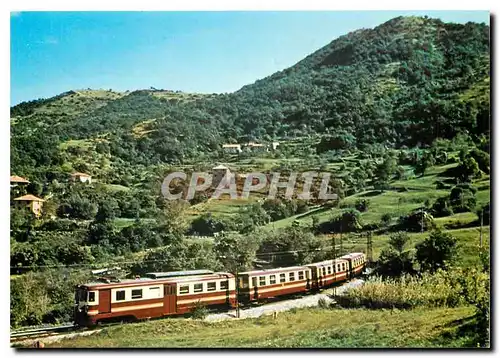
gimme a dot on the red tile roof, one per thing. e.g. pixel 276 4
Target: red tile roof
pixel 28 197
pixel 18 179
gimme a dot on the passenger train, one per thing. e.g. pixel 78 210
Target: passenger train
pixel 174 293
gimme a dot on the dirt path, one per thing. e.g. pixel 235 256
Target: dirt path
pixel 280 306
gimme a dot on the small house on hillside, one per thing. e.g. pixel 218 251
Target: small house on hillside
pixel 32 202
pixel 232 148
pixel 17 180
pixel 252 146
pixel 81 177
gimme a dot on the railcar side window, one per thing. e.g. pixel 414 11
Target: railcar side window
pixel 329 269
pixel 211 286
pixel 272 279
pixel 338 267
pixel 324 271
pixel 184 289
pixel 120 295
pixel 91 296
pixel 262 280
pixel 198 287
pixel 291 276
pixel 223 285
pixel 301 275
pixel 137 293
pixel 282 277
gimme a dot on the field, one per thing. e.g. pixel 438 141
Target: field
pixel 304 328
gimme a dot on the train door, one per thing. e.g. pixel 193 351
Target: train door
pixel 255 288
pixel 350 265
pixel 169 298
pixel 104 301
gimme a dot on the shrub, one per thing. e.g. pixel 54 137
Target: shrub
pixel 436 251
pixel 441 207
pixel 199 311
pixel 385 220
pixel 441 289
pixel 323 303
pixel 362 205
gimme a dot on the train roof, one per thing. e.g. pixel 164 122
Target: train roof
pixel 352 255
pixel 273 270
pixel 156 275
pixel 147 280
pixel 327 262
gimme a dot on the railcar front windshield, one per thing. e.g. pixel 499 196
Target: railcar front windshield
pixel 80 295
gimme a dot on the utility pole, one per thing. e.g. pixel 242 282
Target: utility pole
pixel 334 264
pixel 237 295
pixel 481 231
pixel 422 221
pixel 369 248
pixel 340 237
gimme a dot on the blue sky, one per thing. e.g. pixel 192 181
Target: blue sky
pixel 207 52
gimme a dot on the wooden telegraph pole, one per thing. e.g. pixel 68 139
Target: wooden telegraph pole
pixel 481 231
pixel 334 264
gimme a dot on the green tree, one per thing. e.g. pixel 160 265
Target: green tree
pixel 295 244
pixel 462 198
pixel 436 251
pixel 396 261
pixel 236 252
pixel 424 162
pixel 468 170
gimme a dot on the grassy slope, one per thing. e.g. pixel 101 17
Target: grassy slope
pixel 301 328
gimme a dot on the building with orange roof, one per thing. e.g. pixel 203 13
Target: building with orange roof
pixel 82 177
pixel 32 202
pixel 16 180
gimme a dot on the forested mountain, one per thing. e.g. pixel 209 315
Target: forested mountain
pixel 404 83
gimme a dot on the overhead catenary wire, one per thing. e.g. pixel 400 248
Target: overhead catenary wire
pixel 107 264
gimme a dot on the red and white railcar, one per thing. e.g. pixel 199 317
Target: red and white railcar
pixel 261 284
pixel 151 298
pixel 357 262
pixel 326 273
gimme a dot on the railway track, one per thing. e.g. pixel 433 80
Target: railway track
pixel 40 332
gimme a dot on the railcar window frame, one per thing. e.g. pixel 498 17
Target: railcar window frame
pixel 329 270
pixel 91 296
pixel 120 295
pixel 324 270
pixel 291 276
pixel 262 281
pixel 282 277
pixel 343 267
pixel 183 289
pixel 224 285
pixel 301 275
pixel 198 287
pixel 211 286
pixel 272 279
pixel 136 294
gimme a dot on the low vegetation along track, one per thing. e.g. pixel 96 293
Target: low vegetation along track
pixel 33 337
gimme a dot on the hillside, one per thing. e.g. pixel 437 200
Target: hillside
pixel 398 116
pixel 405 82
